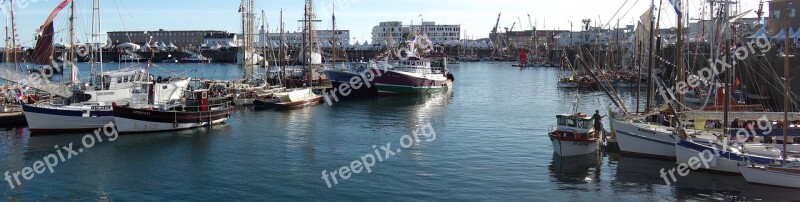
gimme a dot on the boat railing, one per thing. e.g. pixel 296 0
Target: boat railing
pixel 221 105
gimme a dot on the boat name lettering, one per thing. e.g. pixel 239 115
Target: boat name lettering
pixel 105 93
pixel 101 107
pixel 141 113
pixel 647 131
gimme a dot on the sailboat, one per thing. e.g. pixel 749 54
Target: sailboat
pixel 89 107
pixel 785 174
pixel 312 61
pixel 244 91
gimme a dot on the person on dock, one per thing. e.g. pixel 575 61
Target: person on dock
pixel 598 121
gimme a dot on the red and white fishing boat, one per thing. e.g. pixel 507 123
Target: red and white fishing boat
pixel 195 110
pixel 574 135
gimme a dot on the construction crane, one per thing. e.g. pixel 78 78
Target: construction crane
pixel 512 27
pixel 760 11
pixel 494 30
pixel 520 23
pixel 530 22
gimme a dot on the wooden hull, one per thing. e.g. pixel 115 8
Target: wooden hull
pixel 144 120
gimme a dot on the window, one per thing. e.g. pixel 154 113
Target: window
pixel 792 13
pixel 776 14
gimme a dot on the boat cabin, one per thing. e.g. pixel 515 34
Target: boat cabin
pixel 119 79
pixel 196 100
pixel 412 65
pixel 574 127
pixel 578 123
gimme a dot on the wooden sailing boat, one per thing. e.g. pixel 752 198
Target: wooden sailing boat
pixel 300 97
pixel 784 174
pixel 244 91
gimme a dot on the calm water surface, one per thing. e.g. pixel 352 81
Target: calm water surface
pixel 490 145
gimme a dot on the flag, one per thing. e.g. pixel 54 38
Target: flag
pixel 676 4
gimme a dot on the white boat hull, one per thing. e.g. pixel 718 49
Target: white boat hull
pixel 44 122
pixel 644 141
pixel 683 154
pixel 132 125
pixel 770 177
pixel 569 148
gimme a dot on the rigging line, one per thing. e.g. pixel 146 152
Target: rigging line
pixel 629 9
pixel 122 21
pixel 615 13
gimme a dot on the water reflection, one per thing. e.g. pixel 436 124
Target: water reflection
pixel 575 170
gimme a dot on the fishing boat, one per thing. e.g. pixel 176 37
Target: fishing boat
pixel 89 107
pixel 412 75
pixel 195 110
pixel 574 135
pixel 346 75
pixel 85 112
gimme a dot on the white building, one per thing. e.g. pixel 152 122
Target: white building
pixel 295 39
pixel 438 34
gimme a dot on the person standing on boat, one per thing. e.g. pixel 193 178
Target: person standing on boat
pixel 598 124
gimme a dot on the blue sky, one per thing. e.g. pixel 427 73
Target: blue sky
pixel 476 17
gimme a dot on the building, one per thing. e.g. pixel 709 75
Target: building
pixel 778 14
pixel 438 34
pixel 221 40
pixel 594 36
pixel 295 39
pixel 529 38
pixel 181 38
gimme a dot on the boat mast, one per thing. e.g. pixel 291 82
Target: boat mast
pixel 73 69
pixel 333 35
pixel 282 54
pixel 679 60
pixel 13 36
pixel 305 33
pixel 785 84
pixel 650 58
pixel 6 58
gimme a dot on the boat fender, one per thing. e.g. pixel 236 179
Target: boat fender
pixel 175 124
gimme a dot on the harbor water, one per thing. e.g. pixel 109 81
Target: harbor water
pixel 486 140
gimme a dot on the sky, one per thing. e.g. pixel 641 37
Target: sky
pixel 476 17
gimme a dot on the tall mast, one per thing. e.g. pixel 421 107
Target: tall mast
pixel 305 32
pixel 681 67
pixel 785 83
pixel 281 53
pixel 6 57
pixel 650 58
pixel 333 35
pixel 13 36
pixel 73 69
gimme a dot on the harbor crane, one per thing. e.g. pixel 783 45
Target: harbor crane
pixel 494 30
pixel 531 22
